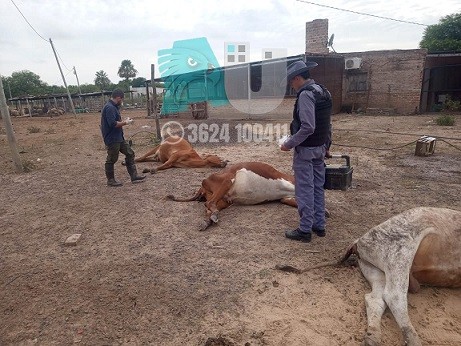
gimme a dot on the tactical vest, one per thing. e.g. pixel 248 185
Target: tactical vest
pixel 323 106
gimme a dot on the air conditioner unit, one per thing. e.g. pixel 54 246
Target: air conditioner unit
pixel 352 63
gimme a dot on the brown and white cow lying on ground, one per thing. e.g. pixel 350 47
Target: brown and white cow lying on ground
pixel 177 152
pixel 421 246
pixel 243 183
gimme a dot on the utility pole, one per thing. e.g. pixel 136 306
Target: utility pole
pixel 78 83
pixel 9 89
pixel 154 94
pixel 79 90
pixel 9 130
pixel 148 98
pixel 64 80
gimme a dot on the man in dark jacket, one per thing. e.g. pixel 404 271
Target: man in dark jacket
pixel 112 133
pixel 310 136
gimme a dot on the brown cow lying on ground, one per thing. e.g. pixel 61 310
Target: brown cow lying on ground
pixel 243 183
pixel 177 152
pixel 421 246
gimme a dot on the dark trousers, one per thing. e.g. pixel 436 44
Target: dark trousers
pixel 114 149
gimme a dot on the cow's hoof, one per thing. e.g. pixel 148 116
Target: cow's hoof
pixel 214 218
pixel 370 341
pixel 146 170
pixel 205 224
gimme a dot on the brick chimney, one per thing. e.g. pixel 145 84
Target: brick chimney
pixel 317 36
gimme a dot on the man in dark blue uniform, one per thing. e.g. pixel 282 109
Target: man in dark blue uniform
pixel 112 133
pixel 310 136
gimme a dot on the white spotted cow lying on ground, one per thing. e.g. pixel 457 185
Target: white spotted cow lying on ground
pixel 245 183
pixel 177 152
pixel 421 246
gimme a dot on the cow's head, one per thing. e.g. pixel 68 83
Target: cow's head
pixel 215 161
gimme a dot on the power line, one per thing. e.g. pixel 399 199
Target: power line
pixel 28 22
pixel 361 13
pixel 68 69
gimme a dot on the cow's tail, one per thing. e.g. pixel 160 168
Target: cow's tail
pixel 352 250
pixel 197 197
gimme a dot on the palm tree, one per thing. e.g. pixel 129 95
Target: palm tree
pixel 127 70
pixel 101 80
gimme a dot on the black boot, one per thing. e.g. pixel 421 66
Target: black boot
pixel 135 178
pixel 109 167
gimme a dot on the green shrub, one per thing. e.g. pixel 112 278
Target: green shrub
pixel 445 120
pixel 33 129
pixel 28 166
pixel 452 105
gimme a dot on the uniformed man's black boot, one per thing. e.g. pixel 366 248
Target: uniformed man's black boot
pixel 135 178
pixel 109 167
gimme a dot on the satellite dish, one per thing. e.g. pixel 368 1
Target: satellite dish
pixel 330 42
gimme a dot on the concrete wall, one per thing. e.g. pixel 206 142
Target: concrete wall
pixel 393 81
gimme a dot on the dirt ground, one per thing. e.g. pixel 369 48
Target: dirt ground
pixel 142 273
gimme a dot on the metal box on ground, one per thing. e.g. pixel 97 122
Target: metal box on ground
pixel 338 176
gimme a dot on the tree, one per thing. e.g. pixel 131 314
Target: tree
pixel 102 81
pixel 6 87
pixel 123 85
pixel 443 37
pixel 25 82
pixel 127 70
pixel 138 82
pixel 89 88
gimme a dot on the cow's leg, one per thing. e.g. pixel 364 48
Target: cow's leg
pixel 149 156
pixel 291 201
pixel 374 302
pixel 395 295
pixel 212 217
pixel 218 200
pixel 213 209
pixel 168 164
pixel 181 159
pixel 194 163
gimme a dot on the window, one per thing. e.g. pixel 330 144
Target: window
pixel 241 48
pixel 241 58
pixel 231 58
pixel 357 82
pixel 267 55
pixel 230 48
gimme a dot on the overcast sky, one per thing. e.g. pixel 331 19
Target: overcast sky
pixel 95 35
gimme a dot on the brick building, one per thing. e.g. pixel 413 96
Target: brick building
pixel 382 82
